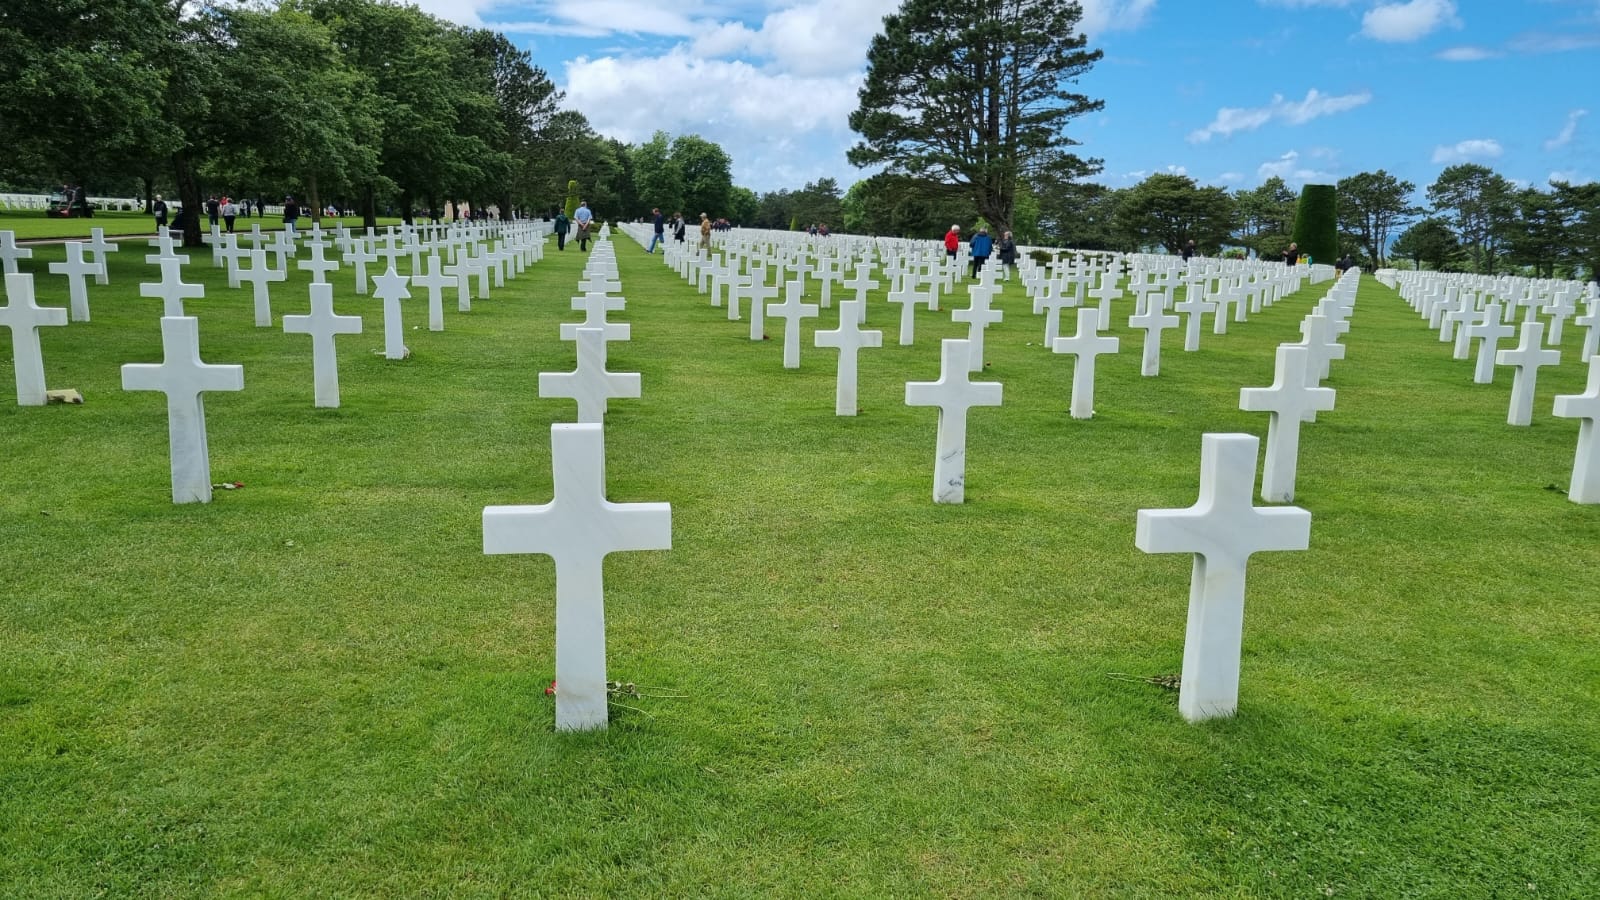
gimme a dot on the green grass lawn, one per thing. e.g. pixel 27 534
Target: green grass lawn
pixel 318 685
pixel 35 225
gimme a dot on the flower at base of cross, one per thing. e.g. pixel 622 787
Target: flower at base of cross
pixel 550 691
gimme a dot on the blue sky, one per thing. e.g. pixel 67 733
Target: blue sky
pixel 1228 93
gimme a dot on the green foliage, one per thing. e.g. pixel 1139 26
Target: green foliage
pixel 658 176
pixel 707 174
pixel 1431 243
pixel 1168 211
pixel 1477 202
pixel 1316 223
pixel 975 95
pixel 572 198
pixel 898 206
pixel 1371 206
pixel 1081 215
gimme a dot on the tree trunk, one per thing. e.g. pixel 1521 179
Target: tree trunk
pixel 149 195
pixel 189 196
pixel 369 208
pixel 314 198
pixel 406 201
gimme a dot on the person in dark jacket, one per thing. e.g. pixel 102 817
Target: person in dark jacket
pixel 160 209
pixel 561 226
pixel 1008 255
pixel 979 249
pixel 659 223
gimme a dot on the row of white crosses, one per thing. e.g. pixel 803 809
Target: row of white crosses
pixel 1224 528
pixel 1466 309
pixel 579 527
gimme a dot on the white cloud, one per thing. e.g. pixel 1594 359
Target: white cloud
pixel 1289 168
pixel 1405 22
pixel 821 37
pixel 1230 178
pixel 1466 54
pixel 1315 105
pixel 1567 130
pixel 1477 148
pixel 1100 16
pixel 1177 170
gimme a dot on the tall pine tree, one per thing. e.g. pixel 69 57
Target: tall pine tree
pixel 974 96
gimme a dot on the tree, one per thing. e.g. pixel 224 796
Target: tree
pixel 1316 223
pixel 1080 215
pixel 975 95
pixel 85 88
pixel 1372 205
pixel 1429 242
pixel 1580 205
pixel 1265 217
pixel 742 205
pixel 1170 210
pixel 1477 201
pixel 706 173
pixel 525 102
pixel 657 175
pixel 1537 236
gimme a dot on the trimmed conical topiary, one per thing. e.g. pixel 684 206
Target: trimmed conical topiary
pixel 1316 224
pixel 572 197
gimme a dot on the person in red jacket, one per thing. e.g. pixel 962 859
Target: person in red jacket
pixel 952 240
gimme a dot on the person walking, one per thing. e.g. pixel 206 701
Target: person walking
pixel 705 236
pixel 679 227
pixel 585 219
pixel 291 214
pixel 980 248
pixel 213 209
pixel 230 212
pixel 1291 255
pixel 659 237
pixel 562 224
pixel 160 209
pixel 1008 255
pixel 952 241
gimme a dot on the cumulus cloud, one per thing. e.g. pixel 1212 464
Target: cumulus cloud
pixel 1100 16
pixel 1567 130
pixel 1464 151
pixel 1294 112
pixel 1405 22
pixel 1289 168
pixel 1466 54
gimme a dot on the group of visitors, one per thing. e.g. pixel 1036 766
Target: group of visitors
pixel 981 247
pixel 583 218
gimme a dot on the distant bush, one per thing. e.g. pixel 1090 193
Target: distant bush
pixel 1316 223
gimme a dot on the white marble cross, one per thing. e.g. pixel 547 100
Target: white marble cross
pixel 954 393
pixel 760 293
pixel 1591 335
pixel 1287 400
pixel 591 385
pixel 578 528
pixel 908 298
pixel 10 252
pixel 260 275
pixel 390 287
pixel 979 316
pixel 1194 306
pixel 184 379
pixel 1154 320
pixel 24 317
pixel 1585 407
pixel 791 311
pixel 98 247
pixel 1487 333
pixel 172 289
pixel 1222 529
pixel 462 273
pixel 1318 336
pixel 594 307
pixel 163 244
pixel 1527 357
pixel 849 339
pixel 323 324
pixel 75 268
pixel 434 282
pixel 861 281
pixel 318 265
pixel 360 254
pixel 1050 303
pixel 1084 346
